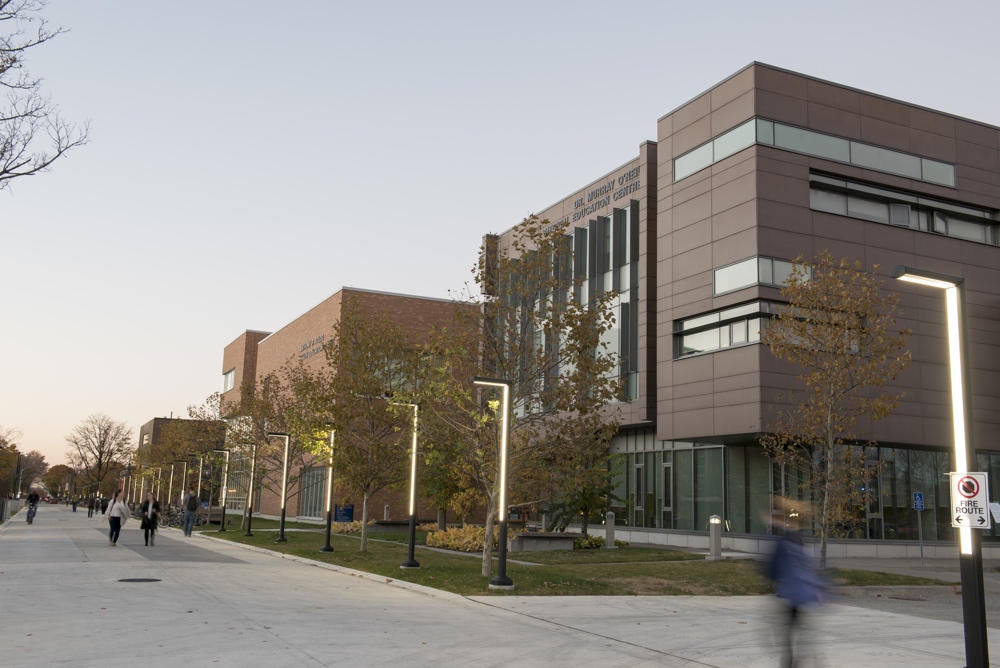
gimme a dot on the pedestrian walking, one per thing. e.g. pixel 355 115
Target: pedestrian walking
pixel 796 582
pixel 90 507
pixel 118 514
pixel 104 505
pixel 150 510
pixel 191 505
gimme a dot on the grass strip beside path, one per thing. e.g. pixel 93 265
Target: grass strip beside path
pixel 622 572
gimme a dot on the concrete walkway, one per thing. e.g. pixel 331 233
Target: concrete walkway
pixel 211 603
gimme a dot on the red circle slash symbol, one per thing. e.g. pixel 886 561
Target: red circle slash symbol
pixel 968 487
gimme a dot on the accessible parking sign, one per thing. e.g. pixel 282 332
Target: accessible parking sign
pixel 970 500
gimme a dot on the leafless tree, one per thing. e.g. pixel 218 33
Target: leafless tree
pixel 98 446
pixel 9 437
pixel 32 133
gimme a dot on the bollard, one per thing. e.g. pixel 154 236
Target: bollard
pixel 714 538
pixel 546 522
pixel 609 530
pixel 385 513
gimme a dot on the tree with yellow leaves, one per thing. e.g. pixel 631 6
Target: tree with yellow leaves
pixel 840 329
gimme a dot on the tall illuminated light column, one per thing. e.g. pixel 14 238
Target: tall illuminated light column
pixel 501 581
pixel 225 484
pixel 284 486
pixel 410 561
pixel 977 653
pixel 329 495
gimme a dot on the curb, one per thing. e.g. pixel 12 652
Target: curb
pixel 381 579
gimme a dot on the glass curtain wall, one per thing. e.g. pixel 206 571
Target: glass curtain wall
pixel 679 486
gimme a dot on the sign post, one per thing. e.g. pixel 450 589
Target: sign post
pixel 918 505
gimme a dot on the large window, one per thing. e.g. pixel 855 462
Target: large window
pixel 893 207
pixel 313 502
pixel 752 271
pixel 810 142
pixel 736 326
pixel 229 380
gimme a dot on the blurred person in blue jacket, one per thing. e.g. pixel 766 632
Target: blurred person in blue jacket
pixel 796 582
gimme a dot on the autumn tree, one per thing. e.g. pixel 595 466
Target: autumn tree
pixel 840 329
pixel 33 467
pixel 256 413
pixel 59 478
pixel 531 325
pixel 370 362
pixel 99 447
pixel 191 440
pixel 9 439
pixel 33 135
pixel 299 412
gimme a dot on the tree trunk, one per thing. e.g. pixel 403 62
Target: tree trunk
pixel 824 528
pixel 364 524
pixel 488 540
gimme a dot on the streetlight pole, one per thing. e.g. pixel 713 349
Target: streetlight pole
pixel 170 488
pixel 411 562
pixel 249 506
pixel 183 479
pixel 284 486
pixel 500 580
pixel 329 496
pixel 977 652
pixel 225 485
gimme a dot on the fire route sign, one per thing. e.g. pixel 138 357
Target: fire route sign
pixel 970 500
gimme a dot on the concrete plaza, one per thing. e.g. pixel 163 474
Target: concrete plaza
pixel 212 603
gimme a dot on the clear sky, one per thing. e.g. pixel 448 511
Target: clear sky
pixel 249 159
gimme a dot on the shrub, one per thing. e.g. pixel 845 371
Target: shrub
pixel 429 526
pixel 594 542
pixel 348 527
pixel 463 539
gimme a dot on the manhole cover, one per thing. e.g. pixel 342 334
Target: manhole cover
pixel 139 580
pixel 908 598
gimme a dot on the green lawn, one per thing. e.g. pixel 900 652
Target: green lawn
pixel 622 572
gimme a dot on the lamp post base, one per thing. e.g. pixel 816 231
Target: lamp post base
pixel 501 582
pixel 280 539
pixel 326 548
pixel 410 563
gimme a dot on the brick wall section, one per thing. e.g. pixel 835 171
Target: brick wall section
pixel 305 337
pixel 241 355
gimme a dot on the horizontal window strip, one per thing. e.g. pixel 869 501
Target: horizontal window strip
pixel 818 144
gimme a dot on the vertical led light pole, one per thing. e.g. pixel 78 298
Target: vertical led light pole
pixel 284 485
pixel 184 476
pixel 201 469
pixel 411 562
pixel 225 485
pixel 170 488
pixel 977 654
pixel 501 581
pixel 329 496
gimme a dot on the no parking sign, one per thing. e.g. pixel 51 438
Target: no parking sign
pixel 970 500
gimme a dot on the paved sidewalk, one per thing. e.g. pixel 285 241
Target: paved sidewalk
pixel 217 604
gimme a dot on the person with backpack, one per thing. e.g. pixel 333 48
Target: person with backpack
pixel 191 505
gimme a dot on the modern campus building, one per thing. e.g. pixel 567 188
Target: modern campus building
pixel 697 234
pixel 255 354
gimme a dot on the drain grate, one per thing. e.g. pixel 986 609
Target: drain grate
pixel 908 598
pixel 139 580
